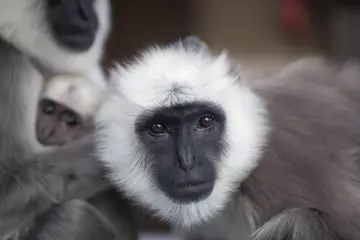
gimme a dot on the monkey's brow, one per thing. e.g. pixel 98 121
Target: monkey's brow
pixel 175 94
pixel 176 112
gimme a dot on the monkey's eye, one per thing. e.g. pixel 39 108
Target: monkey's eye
pixel 157 129
pixel 205 122
pixel 70 119
pixel 49 107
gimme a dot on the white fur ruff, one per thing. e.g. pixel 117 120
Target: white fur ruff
pixel 145 85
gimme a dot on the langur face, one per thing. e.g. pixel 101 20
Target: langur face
pixel 57 124
pixel 182 132
pixel 74 23
pixel 185 143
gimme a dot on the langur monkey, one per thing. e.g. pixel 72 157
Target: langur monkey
pixel 66 112
pixel 67 106
pixel 221 157
pixel 38 184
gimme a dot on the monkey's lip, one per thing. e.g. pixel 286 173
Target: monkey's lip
pixel 193 191
pixel 190 184
pixel 80 41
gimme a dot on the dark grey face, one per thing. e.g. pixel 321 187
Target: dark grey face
pixel 184 142
pixel 74 23
pixel 57 124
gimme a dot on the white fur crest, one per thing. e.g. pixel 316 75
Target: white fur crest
pixel 75 92
pixel 23 23
pixel 146 84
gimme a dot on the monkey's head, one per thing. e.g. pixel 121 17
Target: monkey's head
pixel 66 109
pixel 183 131
pixel 63 35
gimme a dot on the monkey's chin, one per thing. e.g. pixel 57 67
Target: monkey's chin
pixel 190 193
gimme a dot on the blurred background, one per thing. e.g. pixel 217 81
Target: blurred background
pixel 262 34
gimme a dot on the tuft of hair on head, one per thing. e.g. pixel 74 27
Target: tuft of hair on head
pixel 23 23
pixel 191 42
pixel 177 74
pixel 75 92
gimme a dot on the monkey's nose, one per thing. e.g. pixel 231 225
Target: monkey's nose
pixel 73 22
pixel 44 135
pixel 78 13
pixel 84 8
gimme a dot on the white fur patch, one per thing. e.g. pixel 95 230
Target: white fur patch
pixel 144 85
pixel 23 23
pixel 76 92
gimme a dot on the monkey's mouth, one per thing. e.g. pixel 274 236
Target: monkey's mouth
pixel 192 191
pixel 79 42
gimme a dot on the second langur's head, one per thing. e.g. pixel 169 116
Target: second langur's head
pixel 61 35
pixel 183 131
pixel 66 109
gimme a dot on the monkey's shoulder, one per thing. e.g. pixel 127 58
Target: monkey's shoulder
pixel 312 153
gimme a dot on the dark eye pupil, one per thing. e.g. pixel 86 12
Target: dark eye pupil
pixel 70 119
pixel 157 128
pixel 206 122
pixel 49 108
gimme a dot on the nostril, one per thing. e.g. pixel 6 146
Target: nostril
pixel 84 8
pixel 47 135
pixel 187 163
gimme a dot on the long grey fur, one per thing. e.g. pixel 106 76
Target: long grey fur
pixel 312 157
pixel 32 181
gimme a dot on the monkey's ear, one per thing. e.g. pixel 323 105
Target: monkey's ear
pixel 193 43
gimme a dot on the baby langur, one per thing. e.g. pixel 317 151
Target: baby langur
pixel 66 109
pixel 221 157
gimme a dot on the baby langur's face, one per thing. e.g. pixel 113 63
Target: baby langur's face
pixel 57 124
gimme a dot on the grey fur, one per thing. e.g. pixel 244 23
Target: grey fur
pixel 294 224
pixel 312 158
pixel 68 216
pixel 193 43
pixel 31 182
pixel 102 217
pixel 222 227
pixel 38 182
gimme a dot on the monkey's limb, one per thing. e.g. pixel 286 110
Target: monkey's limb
pixel 117 210
pixel 31 185
pixel 73 220
pixel 294 224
